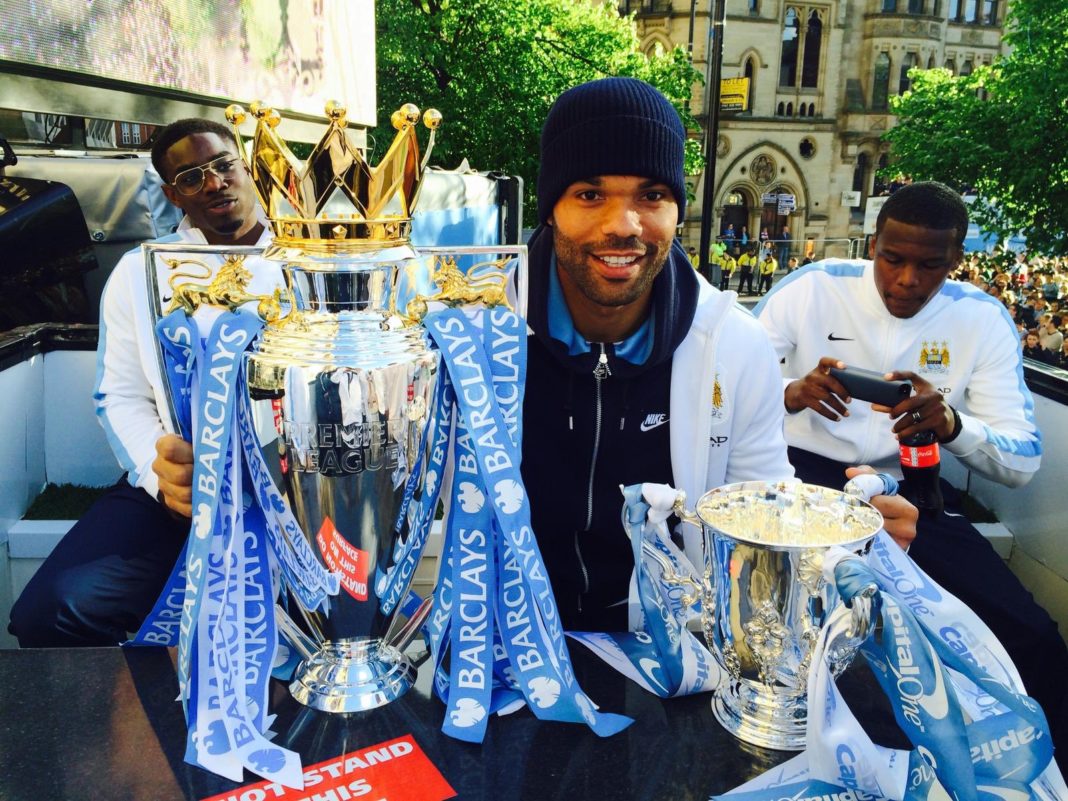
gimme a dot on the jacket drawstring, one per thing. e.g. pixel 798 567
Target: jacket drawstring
pixel 569 402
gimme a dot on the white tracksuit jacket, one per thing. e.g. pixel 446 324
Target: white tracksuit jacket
pixel 726 405
pixel 963 342
pixel 129 393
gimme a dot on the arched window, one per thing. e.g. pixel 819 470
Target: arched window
pixel 970 10
pixel 750 73
pixel 966 68
pixel 954 10
pixel 880 84
pixel 931 62
pixel 951 65
pixel 789 109
pixel 791 32
pixel 907 63
pixel 810 69
pixel 860 174
pixel 754 7
pixel 990 12
pixel 780 110
pixel 800 58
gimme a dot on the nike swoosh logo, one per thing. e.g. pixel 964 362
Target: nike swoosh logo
pixel 647 426
pixel 648 666
pixel 937 702
pixel 833 338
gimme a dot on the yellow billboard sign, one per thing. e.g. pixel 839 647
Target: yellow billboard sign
pixel 734 94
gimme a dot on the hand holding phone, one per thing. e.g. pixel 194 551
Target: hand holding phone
pixel 870 386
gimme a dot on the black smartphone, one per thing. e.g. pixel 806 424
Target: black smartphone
pixel 870 386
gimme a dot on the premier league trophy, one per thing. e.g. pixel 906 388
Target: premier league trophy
pixel 764 597
pixel 354 378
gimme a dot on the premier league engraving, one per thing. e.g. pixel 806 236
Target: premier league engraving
pixel 764 597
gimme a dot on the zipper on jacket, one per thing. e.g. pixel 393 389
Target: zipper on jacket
pixel 585 572
pixel 600 373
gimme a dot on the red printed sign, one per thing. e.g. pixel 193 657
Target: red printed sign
pixel 396 770
pixel 922 456
pixel 340 557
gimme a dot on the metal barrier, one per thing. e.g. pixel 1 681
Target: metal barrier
pixel 816 249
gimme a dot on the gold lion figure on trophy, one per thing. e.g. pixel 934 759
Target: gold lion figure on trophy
pixel 228 289
pixel 456 287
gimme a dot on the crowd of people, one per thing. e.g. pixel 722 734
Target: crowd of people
pixel 760 260
pixel 1034 289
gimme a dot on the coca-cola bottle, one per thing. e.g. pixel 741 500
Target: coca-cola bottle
pixel 920 464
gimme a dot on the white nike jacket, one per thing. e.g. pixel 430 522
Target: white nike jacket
pixel 962 341
pixel 129 394
pixel 726 405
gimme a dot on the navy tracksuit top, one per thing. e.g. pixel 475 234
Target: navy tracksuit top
pixel 590 424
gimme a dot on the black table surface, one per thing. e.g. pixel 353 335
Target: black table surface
pixel 103 723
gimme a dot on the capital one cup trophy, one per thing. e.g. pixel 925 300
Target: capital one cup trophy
pixel 764 597
pixel 352 377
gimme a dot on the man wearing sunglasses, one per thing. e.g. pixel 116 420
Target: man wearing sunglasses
pixel 101 580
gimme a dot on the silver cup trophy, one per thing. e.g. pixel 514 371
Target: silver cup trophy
pixel 354 378
pixel 764 597
pixel 350 374
pixel 354 393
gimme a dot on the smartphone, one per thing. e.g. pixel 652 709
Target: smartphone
pixel 870 386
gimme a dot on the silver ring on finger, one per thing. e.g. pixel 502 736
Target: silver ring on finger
pixel 917 417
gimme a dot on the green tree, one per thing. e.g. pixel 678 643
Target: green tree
pixel 1002 130
pixel 493 68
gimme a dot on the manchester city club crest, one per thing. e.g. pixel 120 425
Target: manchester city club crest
pixel 719 399
pixel 934 357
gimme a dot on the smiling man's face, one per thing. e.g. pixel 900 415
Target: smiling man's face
pixel 612 236
pixel 224 208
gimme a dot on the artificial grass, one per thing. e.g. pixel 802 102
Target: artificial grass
pixel 63 502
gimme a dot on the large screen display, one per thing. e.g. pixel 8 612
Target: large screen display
pixel 292 54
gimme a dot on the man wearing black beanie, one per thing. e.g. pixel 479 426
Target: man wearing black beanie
pixel 638 370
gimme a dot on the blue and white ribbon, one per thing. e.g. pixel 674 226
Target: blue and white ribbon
pixel 661 654
pixel 508 638
pixel 218 605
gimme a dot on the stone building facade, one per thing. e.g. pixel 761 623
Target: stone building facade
pixel 821 73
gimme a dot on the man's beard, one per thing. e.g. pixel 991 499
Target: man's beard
pixel 572 258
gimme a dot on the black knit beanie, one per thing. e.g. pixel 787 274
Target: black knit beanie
pixel 614 126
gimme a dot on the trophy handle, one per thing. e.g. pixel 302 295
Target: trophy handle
pixel 292 632
pixel 411 627
pixel 684 514
pixel 459 288
pixel 841 649
pixel 673 579
pixel 862 618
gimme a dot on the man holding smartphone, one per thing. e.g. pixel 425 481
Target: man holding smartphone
pixel 897 314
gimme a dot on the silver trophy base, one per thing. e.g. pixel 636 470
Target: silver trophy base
pixel 352 676
pixel 758 715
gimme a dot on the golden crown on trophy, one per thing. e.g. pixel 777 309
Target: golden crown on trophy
pixel 336 199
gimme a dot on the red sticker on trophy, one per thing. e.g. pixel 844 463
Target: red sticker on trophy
pixel 396 770
pixel 340 557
